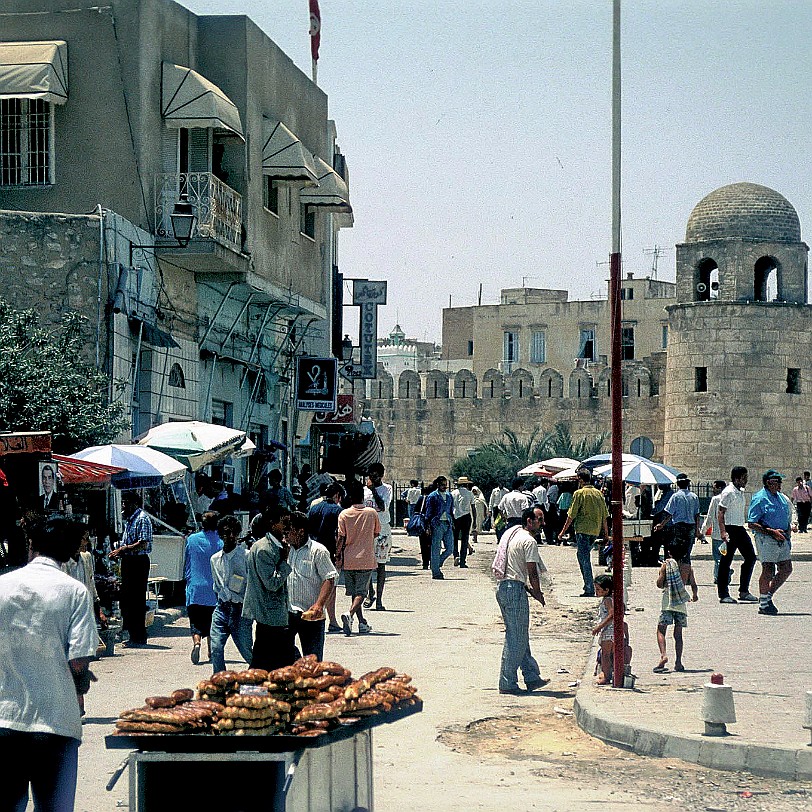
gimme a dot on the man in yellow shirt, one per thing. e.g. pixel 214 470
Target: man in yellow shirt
pixel 588 514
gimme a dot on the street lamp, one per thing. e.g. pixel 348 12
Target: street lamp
pixel 346 349
pixel 183 223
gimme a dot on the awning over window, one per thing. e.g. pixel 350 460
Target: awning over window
pixel 34 70
pixel 283 155
pixel 190 100
pixel 331 194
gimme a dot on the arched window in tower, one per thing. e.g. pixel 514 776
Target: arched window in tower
pixel 706 284
pixel 176 377
pixel 766 287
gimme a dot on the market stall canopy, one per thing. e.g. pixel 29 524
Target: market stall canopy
pixel 536 469
pixel 331 194
pixel 34 70
pixel 190 100
pixel 193 442
pixel 246 449
pixel 568 474
pixel 84 472
pixel 284 156
pixel 642 472
pixel 143 467
pixel 548 467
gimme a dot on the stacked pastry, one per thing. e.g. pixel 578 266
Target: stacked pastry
pixel 177 713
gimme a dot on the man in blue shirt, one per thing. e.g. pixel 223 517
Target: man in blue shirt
pixel 770 519
pixel 200 596
pixel 439 513
pixel 682 511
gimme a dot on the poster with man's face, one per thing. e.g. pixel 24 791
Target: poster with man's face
pixel 47 478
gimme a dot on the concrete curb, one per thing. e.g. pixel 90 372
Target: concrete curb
pixel 716 753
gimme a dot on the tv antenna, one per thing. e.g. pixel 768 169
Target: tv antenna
pixel 655 254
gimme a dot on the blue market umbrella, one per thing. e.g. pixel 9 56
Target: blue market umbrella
pixel 641 472
pixel 144 467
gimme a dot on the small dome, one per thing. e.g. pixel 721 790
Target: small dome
pixel 744 210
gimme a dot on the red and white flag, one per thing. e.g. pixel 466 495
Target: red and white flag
pixel 315 29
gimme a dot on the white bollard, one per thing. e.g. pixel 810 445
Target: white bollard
pixel 808 715
pixel 718 709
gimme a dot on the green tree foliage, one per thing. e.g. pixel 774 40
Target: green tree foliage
pixel 497 462
pixel 486 467
pixel 47 385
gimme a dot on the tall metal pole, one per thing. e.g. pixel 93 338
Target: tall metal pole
pixel 617 385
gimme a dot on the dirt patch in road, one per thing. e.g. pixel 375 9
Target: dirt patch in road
pixel 550 737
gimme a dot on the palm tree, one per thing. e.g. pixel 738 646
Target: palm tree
pixel 520 452
pixel 559 443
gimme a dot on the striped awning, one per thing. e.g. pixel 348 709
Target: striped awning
pixel 190 100
pixel 34 70
pixel 284 156
pixel 331 194
pixel 82 472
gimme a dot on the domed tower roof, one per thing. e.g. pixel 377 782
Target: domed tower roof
pixel 744 210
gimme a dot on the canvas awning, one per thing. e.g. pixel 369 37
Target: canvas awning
pixel 331 194
pixel 34 70
pixel 283 155
pixel 83 472
pixel 190 100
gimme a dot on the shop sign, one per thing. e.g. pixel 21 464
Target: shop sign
pixel 316 384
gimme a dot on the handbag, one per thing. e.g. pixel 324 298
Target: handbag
pixel 416 526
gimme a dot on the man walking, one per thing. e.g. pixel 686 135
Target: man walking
pixel 802 499
pixel 413 495
pixel 734 535
pixel 770 518
pixel 683 512
pixel 134 550
pixel 49 637
pixel 517 566
pixel 310 583
pixel 266 598
pixel 513 504
pixel 711 522
pixel 463 499
pixel 323 527
pixel 587 514
pixel 358 527
pixel 439 512
pixel 378 495
pixel 229 571
pixel 200 596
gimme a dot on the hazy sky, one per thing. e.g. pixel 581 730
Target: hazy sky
pixel 477 132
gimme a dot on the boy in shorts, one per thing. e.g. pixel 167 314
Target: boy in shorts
pixel 674 608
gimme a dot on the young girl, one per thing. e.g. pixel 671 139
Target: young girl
pixel 672 580
pixel 605 626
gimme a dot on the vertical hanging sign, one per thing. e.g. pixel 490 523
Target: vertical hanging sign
pixel 368 296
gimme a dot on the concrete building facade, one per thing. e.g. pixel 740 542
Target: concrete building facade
pixel 716 368
pixel 134 107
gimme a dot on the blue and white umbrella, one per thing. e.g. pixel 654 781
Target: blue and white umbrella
pixel 641 472
pixel 605 459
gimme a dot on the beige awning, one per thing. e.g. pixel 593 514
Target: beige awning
pixel 34 70
pixel 331 194
pixel 190 100
pixel 283 155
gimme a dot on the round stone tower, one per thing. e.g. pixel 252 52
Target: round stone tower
pixel 739 359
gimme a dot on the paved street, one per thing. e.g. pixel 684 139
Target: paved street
pixel 472 748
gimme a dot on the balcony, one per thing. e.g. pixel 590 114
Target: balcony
pixel 218 209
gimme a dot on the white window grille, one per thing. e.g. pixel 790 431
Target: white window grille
pixel 26 142
pixel 538 347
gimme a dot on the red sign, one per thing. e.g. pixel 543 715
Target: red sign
pixel 346 413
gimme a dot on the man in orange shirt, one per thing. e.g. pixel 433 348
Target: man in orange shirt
pixel 355 553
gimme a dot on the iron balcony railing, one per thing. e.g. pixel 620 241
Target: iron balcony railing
pixel 217 207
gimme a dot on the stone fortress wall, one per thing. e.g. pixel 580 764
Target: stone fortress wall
pixel 428 420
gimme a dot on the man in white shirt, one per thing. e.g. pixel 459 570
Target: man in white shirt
pixel 495 498
pixel 378 495
pixel 513 504
pixel 49 637
pixel 413 495
pixel 733 532
pixel 310 584
pixel 229 570
pixel 540 495
pixel 463 498
pixel 522 565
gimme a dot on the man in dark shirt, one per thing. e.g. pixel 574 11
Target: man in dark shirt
pixel 323 527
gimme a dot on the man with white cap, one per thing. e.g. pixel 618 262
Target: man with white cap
pixel 463 497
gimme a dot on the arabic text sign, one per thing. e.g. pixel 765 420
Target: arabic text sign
pixel 346 413
pixel 316 380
